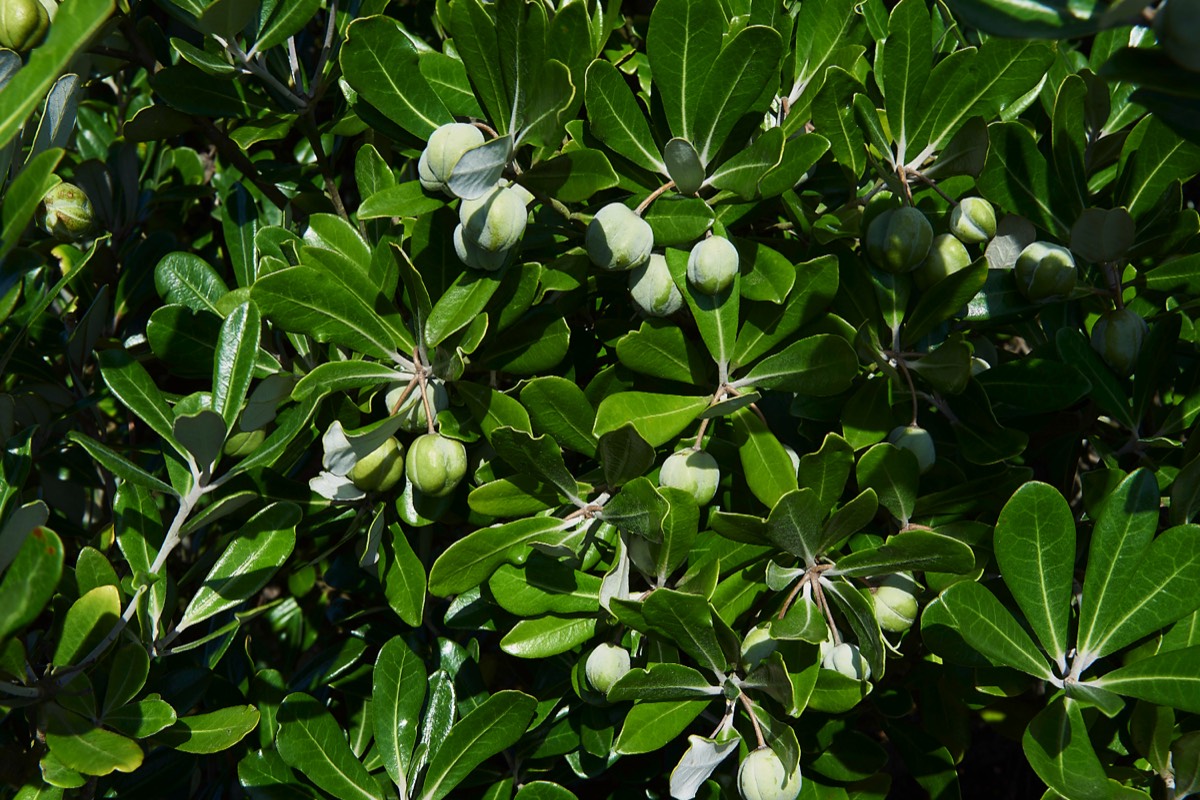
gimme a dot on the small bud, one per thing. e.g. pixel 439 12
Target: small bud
pixel 475 256
pixel 23 24
pixel 67 213
pixel 762 776
pixel 436 464
pixel 899 239
pixel 712 265
pixel 973 220
pixel 917 441
pixel 496 221
pixel 605 665
pixel 1117 336
pixel 446 146
pixel 947 255
pixel 381 469
pixel 846 659
pixel 618 239
pixel 691 471
pixel 1046 272
pixel 653 289
pixel 896 602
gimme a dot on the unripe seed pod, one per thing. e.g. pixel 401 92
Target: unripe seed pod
pixel 947 255
pixel 1117 336
pixel 605 665
pixel 917 441
pixel 896 602
pixel 412 411
pixel 436 464
pixel 496 221
pixel 712 265
pixel 973 220
pixel 1046 272
pixel 23 24
pixel 653 289
pixel 618 239
pixel 898 239
pixel 446 146
pixel 475 256
pixel 1177 24
pixel 66 213
pixel 846 659
pixel 691 471
pixel 381 469
pixel 762 776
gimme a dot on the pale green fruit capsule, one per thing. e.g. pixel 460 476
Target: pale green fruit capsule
pixel 23 24
pixel 917 441
pixel 899 239
pixel 947 255
pixel 896 602
pixel 67 212
pixel 1177 24
pixel 442 153
pixel 846 659
pixel 436 464
pixel 762 776
pixel 412 411
pixel 757 646
pixel 653 289
pixel 691 471
pixel 496 221
pixel 475 256
pixel 618 239
pixel 605 665
pixel 973 220
pixel 712 265
pixel 381 469
pixel 1046 272
pixel 1117 336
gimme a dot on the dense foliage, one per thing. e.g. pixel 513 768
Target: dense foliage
pixel 516 398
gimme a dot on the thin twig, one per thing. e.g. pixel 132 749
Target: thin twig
pixel 650 198
pixel 758 734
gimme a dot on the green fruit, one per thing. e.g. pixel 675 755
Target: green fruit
pixel 381 469
pixel 446 146
pixel 618 239
pixel 23 24
pixel 475 256
pixel 846 659
pixel 898 239
pixel 1046 272
pixel 496 221
pixel 1117 336
pixel 762 776
pixel 917 441
pixel 1177 24
pixel 947 255
pixel 66 213
pixel 757 647
pixel 605 665
pixel 653 289
pixel 896 602
pixel 973 220
pixel 436 464
pixel 712 265
pixel 691 471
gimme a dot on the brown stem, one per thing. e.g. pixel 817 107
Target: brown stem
pixel 912 390
pixel 650 198
pixel 404 395
pixel 932 184
pixel 314 138
pixel 823 604
pixel 758 734
pixel 791 598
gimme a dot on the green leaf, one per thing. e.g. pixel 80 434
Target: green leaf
pixel 748 62
pixel 88 749
pixel 189 280
pixel 624 454
pixel 765 326
pixel 495 724
pixel 652 725
pixel 312 742
pixel 945 299
pixel 545 586
pixel 639 509
pixel 1167 679
pixel 658 418
pixel 559 408
pixel 398 685
pixel 408 199
pixel 1016 177
pixel 1035 549
pixel 925 551
pixel 662 681
pixel 687 620
pixel 716 315
pixel 380 62
pixel 88 621
pixel 405 580
pixel 493 409
pixel 1057 746
pixel 1032 385
pixel 615 118
pixel 859 612
pixel 892 473
pixel 571 177
pixel 475 36
pixel 905 71
pixel 24 193
pixel 472 559
pixel 1153 157
pixel 338 376
pixel 134 387
pixel 765 464
pixel 118 465
pixel 212 732
pixel 682 42
pixel 262 546
pixel 30 580
pixel 795 524
pixel 535 455
pixel 233 367
pixel 661 350
pixel 201 435
pixel 463 301
pixel 142 719
pixel 547 636
pixel 742 173
pixel 820 365
pixel 825 471
pixel 128 671
pixel 1039 18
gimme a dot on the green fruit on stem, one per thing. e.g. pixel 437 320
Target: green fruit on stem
pixel 899 239
pixel 618 239
pixel 973 220
pixel 66 213
pixel 1177 24
pixel 653 289
pixel 412 411
pixel 381 469
pixel 1046 272
pixel 762 776
pixel 917 441
pixel 947 255
pixel 712 265
pixel 605 665
pixel 496 221
pixel 846 659
pixel 436 464
pixel 23 24
pixel 1117 336
pixel 442 153
pixel 896 602
pixel 691 471
pixel 475 256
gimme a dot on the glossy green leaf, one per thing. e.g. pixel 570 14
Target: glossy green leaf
pixel 1057 746
pixel 765 463
pixel 547 636
pixel 312 742
pixel 398 690
pixel 820 365
pixel 892 473
pixel 658 418
pixel 213 731
pixel 495 724
pixel 652 724
pixel 925 551
pixel 471 560
pixel 88 621
pixel 683 42
pixel 30 580
pixel 686 620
